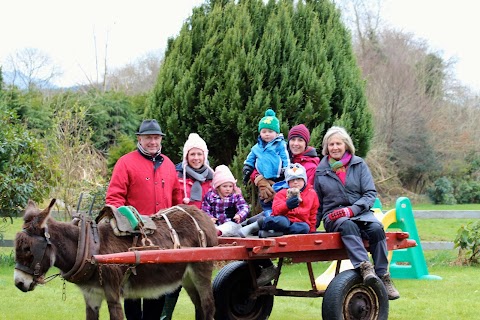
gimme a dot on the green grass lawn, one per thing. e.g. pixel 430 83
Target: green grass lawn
pixel 439 229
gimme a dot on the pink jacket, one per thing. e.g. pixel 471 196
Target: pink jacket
pixel 206 185
pixel 305 212
pixel 135 183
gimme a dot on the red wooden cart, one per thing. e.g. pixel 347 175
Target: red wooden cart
pixel 237 295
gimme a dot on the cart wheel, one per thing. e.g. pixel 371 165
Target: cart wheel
pixel 347 297
pixel 232 288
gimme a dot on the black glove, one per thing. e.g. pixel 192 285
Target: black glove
pixel 293 202
pixel 247 171
pixel 230 212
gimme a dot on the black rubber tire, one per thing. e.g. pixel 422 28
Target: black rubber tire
pixel 231 289
pixel 347 297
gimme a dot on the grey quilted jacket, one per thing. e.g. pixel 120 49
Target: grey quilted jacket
pixel 358 193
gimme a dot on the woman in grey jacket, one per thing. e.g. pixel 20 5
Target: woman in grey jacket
pixel 346 193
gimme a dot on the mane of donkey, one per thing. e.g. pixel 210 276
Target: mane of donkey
pixel 151 280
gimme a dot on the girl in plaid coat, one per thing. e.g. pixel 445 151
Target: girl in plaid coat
pixel 224 203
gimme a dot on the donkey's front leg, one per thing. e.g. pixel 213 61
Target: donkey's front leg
pixel 93 301
pixel 197 282
pixel 112 294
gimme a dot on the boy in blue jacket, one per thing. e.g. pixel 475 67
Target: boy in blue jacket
pixel 269 156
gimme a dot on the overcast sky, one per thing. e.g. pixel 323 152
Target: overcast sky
pixel 68 30
pixel 449 27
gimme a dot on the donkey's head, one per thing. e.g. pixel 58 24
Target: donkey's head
pixel 33 251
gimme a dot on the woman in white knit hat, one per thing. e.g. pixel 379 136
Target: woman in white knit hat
pixel 194 172
pixel 195 177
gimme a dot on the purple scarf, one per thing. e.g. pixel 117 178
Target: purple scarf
pixel 340 166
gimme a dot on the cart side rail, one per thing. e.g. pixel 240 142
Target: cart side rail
pixel 305 247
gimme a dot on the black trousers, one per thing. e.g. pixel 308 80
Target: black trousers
pixel 152 308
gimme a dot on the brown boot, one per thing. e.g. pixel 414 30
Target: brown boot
pixel 388 283
pixel 367 272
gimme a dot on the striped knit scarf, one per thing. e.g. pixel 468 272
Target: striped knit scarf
pixel 340 167
pixel 145 152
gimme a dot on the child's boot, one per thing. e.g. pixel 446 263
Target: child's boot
pixel 250 229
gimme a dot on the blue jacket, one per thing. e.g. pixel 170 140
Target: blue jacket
pixel 358 193
pixel 270 159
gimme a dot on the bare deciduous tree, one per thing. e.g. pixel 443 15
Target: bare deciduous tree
pixel 395 93
pixel 425 122
pixel 82 165
pixel 456 128
pixel 400 91
pixel 137 77
pixel 31 68
pixel 363 18
pixel 418 123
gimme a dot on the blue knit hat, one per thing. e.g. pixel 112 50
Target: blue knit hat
pixel 269 122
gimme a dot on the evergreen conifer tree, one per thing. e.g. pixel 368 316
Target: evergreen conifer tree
pixel 232 60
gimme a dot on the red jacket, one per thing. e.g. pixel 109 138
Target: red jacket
pixel 305 212
pixel 135 183
pixel 309 160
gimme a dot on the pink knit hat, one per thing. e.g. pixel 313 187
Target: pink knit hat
pixel 299 131
pixel 221 175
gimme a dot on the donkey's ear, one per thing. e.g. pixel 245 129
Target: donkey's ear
pixel 30 205
pixel 43 215
pixel 51 204
pixel 31 211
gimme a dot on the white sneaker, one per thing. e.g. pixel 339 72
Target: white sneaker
pixel 267 275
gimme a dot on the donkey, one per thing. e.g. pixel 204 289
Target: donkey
pixel 45 242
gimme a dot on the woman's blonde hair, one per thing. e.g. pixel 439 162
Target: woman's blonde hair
pixel 343 135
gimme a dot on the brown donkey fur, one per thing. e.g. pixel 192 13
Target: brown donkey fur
pixel 151 280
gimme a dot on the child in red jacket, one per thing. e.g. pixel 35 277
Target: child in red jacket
pixel 294 208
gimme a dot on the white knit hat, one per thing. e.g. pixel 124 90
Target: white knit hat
pixel 194 141
pixel 221 175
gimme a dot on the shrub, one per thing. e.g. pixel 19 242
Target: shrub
pixel 442 192
pixel 467 191
pixel 7 259
pixel 468 240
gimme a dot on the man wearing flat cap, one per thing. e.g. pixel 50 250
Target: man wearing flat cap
pixel 145 179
